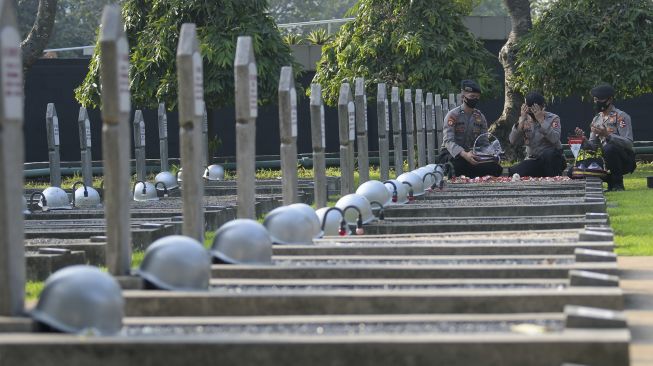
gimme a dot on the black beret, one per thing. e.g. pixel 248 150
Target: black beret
pixel 470 86
pixel 603 91
pixel 534 98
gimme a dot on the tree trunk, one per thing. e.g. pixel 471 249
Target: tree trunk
pixel 38 37
pixel 520 15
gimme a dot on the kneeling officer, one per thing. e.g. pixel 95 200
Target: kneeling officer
pixel 464 125
pixel 539 131
pixel 612 130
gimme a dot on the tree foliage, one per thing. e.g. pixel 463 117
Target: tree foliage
pixel 152 28
pixel 576 44
pixel 406 43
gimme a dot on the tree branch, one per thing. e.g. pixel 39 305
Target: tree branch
pixel 38 37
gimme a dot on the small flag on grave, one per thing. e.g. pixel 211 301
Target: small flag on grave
pixel 575 143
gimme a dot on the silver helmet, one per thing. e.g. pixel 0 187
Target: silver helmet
pixel 361 203
pixel 426 175
pixel 81 299
pixel 168 179
pixel 395 187
pixel 86 197
pixel 312 216
pixel 242 241
pixel 333 218
pixel 414 181
pixel 289 225
pixel 55 199
pixel 214 172
pixel 176 263
pixel 375 190
pixel 145 191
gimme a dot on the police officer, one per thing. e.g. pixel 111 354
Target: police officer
pixel 464 124
pixel 611 129
pixel 539 131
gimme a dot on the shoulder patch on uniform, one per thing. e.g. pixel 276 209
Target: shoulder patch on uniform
pixel 555 124
pixel 451 121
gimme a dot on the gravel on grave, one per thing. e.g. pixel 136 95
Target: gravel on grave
pixel 484 200
pixel 55 241
pixel 303 289
pixel 176 202
pixel 385 242
pixel 414 221
pixel 342 329
pixel 501 193
pixel 419 262
pixel 569 184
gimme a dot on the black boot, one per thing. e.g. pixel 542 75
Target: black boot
pixel 618 183
pixel 610 181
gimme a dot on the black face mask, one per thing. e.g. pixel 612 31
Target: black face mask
pixel 601 106
pixel 471 103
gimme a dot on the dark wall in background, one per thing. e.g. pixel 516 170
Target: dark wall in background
pixel 54 81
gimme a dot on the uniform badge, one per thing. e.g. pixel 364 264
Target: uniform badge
pixel 622 123
pixel 451 121
pixel 555 124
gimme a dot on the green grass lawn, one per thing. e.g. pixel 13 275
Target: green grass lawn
pixel 631 214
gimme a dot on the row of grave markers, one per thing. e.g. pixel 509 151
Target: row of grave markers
pixel 85 142
pixel 424 118
pixel 116 109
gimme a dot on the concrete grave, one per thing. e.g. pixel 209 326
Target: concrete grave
pixel 360 99
pixel 420 127
pixel 190 76
pixel 409 117
pixel 288 134
pixel 85 143
pixel 430 129
pixel 396 131
pixel 116 107
pixel 318 139
pixel 346 132
pixel 12 253
pixel 163 136
pixel 52 126
pixel 383 124
pixel 246 76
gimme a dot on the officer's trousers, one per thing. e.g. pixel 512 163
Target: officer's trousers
pixel 618 160
pixel 550 164
pixel 462 167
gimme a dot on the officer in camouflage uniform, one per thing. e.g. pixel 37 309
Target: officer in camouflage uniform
pixel 539 131
pixel 612 130
pixel 463 125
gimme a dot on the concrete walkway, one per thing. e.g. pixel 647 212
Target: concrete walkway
pixel 637 284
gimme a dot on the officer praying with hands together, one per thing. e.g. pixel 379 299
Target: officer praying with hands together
pixel 539 131
pixel 612 130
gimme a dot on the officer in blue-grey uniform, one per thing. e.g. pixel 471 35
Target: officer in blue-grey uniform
pixel 463 125
pixel 539 131
pixel 612 130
